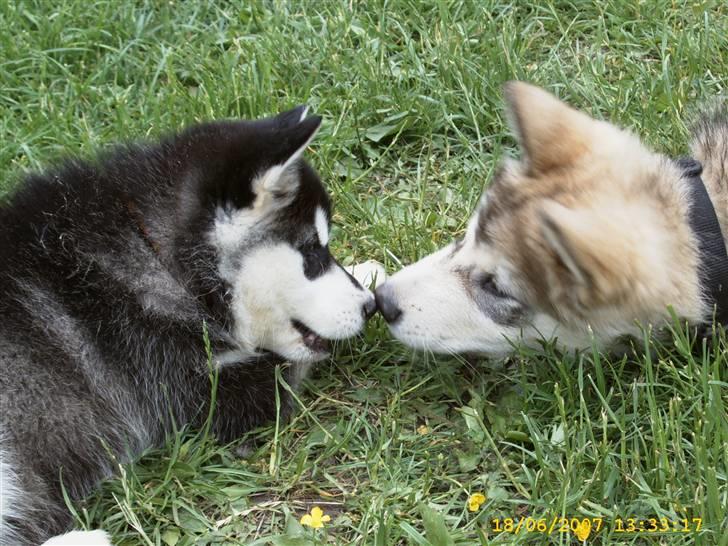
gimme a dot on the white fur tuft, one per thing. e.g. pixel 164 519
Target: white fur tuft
pixel 278 177
pixel 322 226
pixel 10 494
pixel 80 538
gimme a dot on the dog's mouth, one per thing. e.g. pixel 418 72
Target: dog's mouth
pixel 311 339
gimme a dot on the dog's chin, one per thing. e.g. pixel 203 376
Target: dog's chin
pixel 418 341
pixel 294 353
pixel 302 345
pixel 422 340
pixel 310 339
pixel 299 353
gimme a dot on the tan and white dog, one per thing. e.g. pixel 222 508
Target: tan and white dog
pixel 587 237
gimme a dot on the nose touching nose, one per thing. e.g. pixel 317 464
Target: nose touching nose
pixel 369 308
pixel 367 275
pixel 387 303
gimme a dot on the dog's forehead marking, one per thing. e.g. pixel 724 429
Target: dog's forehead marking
pixel 322 226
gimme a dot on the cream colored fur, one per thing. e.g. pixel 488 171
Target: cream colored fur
pixel 588 233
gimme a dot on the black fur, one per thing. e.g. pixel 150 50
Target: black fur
pixel 106 278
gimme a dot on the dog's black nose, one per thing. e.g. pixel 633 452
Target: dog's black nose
pixel 386 303
pixel 370 307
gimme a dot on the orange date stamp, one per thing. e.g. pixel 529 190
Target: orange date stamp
pixel 583 527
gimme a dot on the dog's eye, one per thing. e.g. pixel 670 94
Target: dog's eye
pixel 488 284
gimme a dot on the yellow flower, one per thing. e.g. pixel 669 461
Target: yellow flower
pixel 422 430
pixel 474 501
pixel 583 530
pixel 315 519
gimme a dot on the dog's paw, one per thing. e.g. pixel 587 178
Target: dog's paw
pixel 80 538
pixel 370 274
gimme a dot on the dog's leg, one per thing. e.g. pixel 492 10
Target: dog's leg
pixel 28 515
pixel 80 538
pixel 369 274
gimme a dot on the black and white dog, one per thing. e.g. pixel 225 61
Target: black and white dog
pixel 108 271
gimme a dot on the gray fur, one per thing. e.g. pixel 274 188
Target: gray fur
pixel 108 274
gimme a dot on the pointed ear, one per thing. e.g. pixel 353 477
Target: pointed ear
pixel 551 134
pixel 292 117
pixel 293 132
pixel 595 254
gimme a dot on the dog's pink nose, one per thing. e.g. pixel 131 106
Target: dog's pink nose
pixel 386 303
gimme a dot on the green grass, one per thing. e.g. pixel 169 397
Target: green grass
pixel 414 126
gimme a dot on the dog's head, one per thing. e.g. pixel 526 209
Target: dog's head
pixel 585 235
pixel 267 216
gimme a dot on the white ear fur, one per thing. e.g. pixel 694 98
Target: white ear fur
pixel 272 180
pixel 556 219
pixel 597 246
pixel 277 179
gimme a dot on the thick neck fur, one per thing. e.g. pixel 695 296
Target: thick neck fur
pixel 709 145
pixel 77 267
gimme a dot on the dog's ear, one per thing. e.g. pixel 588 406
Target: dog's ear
pixel 295 131
pixel 292 132
pixel 551 134
pixel 595 253
pixel 291 118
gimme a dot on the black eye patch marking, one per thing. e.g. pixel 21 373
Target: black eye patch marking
pixel 316 260
pixel 487 283
pixel 493 302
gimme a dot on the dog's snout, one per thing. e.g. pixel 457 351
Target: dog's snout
pixel 369 308
pixel 387 304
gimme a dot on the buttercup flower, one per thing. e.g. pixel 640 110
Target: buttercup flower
pixel 315 519
pixel 583 530
pixel 474 501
